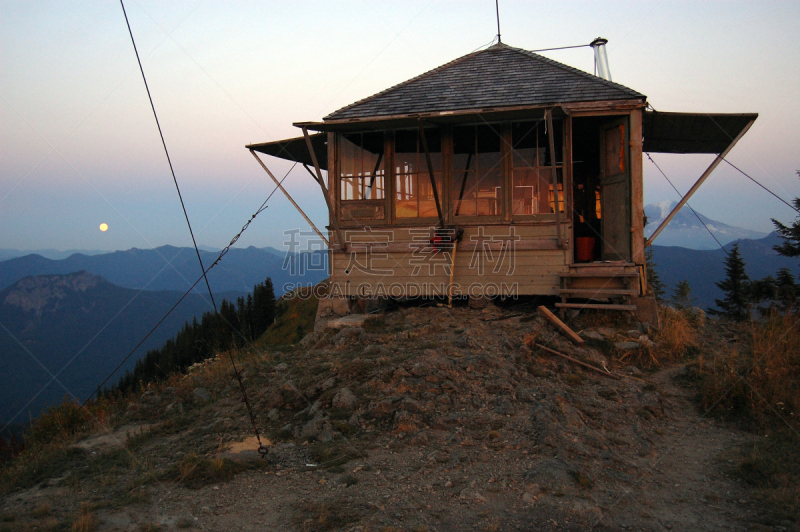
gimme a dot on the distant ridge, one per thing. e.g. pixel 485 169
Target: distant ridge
pixel 704 268
pixel 686 231
pixel 173 268
pixel 53 254
pixel 50 319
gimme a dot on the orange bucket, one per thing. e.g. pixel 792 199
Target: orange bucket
pixel 584 248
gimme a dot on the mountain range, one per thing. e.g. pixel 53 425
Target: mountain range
pixel 704 268
pixel 77 327
pixel 687 231
pixel 173 268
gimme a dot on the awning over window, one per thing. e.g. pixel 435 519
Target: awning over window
pixel 692 132
pixel 663 133
pixel 296 150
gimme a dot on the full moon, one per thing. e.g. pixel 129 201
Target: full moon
pixel 104 227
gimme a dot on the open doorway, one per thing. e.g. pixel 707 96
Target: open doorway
pixel 601 189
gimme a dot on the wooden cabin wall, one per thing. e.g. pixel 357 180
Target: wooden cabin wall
pixel 537 260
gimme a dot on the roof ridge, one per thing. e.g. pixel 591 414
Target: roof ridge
pixel 571 69
pixel 412 80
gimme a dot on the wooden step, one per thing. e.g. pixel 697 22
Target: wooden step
pixel 598 291
pixel 604 264
pixel 599 274
pixel 596 305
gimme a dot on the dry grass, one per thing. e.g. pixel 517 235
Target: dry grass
pixel 761 382
pixel 772 466
pixel 758 385
pixel 86 521
pixel 678 334
pixel 313 516
pixel 195 472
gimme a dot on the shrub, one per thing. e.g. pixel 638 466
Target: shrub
pixel 195 472
pixel 59 423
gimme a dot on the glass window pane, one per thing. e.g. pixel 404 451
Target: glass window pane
pixel 477 171
pixel 362 174
pixel 413 191
pixel 531 161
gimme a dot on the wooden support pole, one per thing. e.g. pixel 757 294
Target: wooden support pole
pixel 296 206
pixel 334 214
pixel 699 182
pixel 554 173
pixel 561 326
pixel 452 272
pixel 430 173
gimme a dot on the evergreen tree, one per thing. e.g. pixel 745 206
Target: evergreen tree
pixel 786 288
pixel 682 295
pixel 790 234
pixel 652 275
pixel 736 288
pixel 263 308
pixel 763 294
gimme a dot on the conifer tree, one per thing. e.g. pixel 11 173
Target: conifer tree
pixel 736 288
pixel 682 295
pixel 787 289
pixel 652 275
pixel 790 234
pixel 263 308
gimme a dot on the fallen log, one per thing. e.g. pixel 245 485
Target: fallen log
pixel 561 326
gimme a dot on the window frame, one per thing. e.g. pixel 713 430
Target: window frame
pixel 446 196
pixel 343 204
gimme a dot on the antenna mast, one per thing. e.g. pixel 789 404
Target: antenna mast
pixel 497 11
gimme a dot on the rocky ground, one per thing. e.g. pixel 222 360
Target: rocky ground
pixel 423 419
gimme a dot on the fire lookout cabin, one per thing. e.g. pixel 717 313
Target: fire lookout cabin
pixel 501 172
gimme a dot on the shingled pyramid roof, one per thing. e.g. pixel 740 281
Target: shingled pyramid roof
pixel 499 76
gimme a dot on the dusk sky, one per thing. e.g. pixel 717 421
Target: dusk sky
pixel 79 146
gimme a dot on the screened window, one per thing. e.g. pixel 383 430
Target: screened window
pixel 413 189
pixel 477 171
pixel 362 176
pixel 532 163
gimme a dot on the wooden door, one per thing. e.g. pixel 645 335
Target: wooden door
pixel 615 190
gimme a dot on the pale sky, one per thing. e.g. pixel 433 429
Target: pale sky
pixel 79 146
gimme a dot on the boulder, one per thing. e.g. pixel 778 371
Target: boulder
pixel 201 394
pixel 345 399
pixel 627 346
pixel 552 473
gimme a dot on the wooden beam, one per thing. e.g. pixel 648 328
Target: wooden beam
pixel 554 174
pixel 296 206
pixel 561 326
pixel 699 182
pixel 531 244
pixel 637 189
pixel 439 115
pixel 334 219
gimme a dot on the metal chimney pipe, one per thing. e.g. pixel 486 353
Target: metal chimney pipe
pixel 600 58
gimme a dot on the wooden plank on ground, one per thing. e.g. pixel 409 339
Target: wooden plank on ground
pixel 561 326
